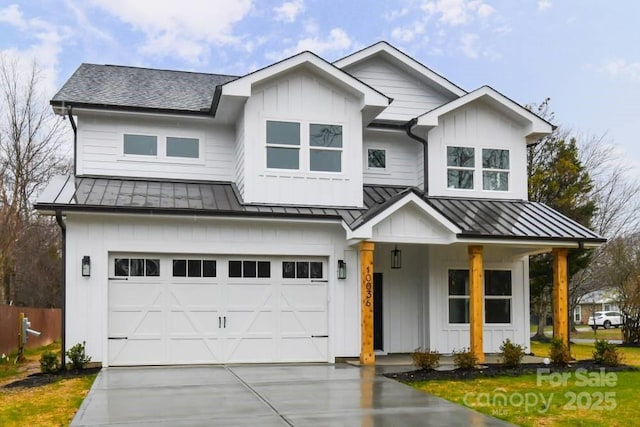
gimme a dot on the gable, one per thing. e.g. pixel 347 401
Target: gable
pixel 412 95
pixel 411 224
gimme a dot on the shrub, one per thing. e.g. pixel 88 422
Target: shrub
pixel 607 353
pixel 77 357
pixel 464 359
pixel 49 363
pixel 559 353
pixel 426 359
pixel 511 354
pixel 4 359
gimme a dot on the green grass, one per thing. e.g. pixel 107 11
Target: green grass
pixel 580 401
pixel 601 334
pixel 53 404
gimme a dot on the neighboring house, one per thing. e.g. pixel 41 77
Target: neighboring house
pixel 303 212
pixel 600 300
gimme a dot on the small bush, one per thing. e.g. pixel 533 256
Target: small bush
pixel 464 359
pixel 77 357
pixel 49 363
pixel 559 353
pixel 607 353
pixel 4 359
pixel 426 359
pixel 511 354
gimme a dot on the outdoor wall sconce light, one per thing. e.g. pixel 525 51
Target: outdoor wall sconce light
pixel 86 266
pixel 342 269
pixel 396 258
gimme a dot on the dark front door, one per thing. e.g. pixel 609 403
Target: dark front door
pixel 377 312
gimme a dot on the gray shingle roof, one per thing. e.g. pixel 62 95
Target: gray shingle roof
pixel 143 88
pixel 477 218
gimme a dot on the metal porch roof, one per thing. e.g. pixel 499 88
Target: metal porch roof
pixel 478 218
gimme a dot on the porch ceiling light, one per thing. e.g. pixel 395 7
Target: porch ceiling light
pixel 396 258
pixel 342 269
pixel 86 266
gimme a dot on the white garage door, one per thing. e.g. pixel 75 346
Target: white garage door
pixel 211 309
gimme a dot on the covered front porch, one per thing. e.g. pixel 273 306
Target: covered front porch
pixel 446 274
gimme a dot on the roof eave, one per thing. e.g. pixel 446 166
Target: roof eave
pixel 60 108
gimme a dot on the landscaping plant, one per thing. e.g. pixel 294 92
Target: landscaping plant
pixel 426 359
pixel 77 357
pixel 49 362
pixel 606 353
pixel 511 354
pixel 559 353
pixel 464 359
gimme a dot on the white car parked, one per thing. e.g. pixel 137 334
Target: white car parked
pixel 605 319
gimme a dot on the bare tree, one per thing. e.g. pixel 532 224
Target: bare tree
pixel 30 154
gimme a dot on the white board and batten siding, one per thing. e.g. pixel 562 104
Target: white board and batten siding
pixel 479 126
pixel 101 148
pixel 445 337
pixel 411 95
pixel 304 97
pixel 93 301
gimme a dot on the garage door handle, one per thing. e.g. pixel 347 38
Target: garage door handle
pixel 219 322
pixel 319 336
pixel 225 322
pixel 118 338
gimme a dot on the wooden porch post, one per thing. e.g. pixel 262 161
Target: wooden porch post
pixel 367 356
pixel 476 284
pixel 560 303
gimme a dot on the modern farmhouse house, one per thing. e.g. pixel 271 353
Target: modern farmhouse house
pixel 303 212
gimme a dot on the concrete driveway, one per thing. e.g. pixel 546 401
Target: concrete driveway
pixel 264 395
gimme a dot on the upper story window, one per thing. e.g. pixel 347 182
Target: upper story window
pixel 288 142
pixel 183 147
pixel 161 147
pixel 283 145
pixel 495 169
pixel 142 145
pixel 460 167
pixel 376 158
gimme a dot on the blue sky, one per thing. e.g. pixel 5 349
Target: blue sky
pixel 583 54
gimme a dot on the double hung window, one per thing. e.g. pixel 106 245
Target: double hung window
pixel 497 296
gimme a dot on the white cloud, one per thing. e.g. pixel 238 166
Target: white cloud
pixel 457 12
pixel 468 45
pixel 186 29
pixel 408 34
pixel 289 11
pixel 48 41
pixel 395 14
pixel 622 68
pixel 544 5
pixel 337 41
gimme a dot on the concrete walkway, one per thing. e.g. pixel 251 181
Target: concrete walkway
pixel 264 395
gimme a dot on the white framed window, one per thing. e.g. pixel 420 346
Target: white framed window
pixel 577 314
pixel 377 159
pixel 497 296
pixel 290 145
pixel 188 148
pixel 140 145
pixel 194 268
pixel 460 167
pixel 495 169
pixel 249 268
pixel 136 267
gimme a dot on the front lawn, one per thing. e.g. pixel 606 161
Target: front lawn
pixel 551 399
pixel 52 404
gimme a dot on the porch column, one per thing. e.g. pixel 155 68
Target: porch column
pixel 560 303
pixel 367 356
pixel 475 300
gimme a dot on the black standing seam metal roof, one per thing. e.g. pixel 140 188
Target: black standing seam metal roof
pixel 476 218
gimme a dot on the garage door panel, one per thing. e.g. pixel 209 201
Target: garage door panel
pixel 251 322
pixel 195 350
pixel 303 349
pixel 304 323
pixel 252 350
pixel 137 352
pixel 193 323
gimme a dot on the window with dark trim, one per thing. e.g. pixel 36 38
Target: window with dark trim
pixel 136 267
pixel 194 268
pixel 302 270
pixel 497 296
pixel 249 268
pixel 376 158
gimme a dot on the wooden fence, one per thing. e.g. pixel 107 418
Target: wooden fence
pixel 44 320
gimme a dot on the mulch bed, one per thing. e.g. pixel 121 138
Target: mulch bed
pixel 40 379
pixel 491 370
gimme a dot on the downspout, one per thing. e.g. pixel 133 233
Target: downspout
pixel 75 138
pixel 425 151
pixel 63 230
